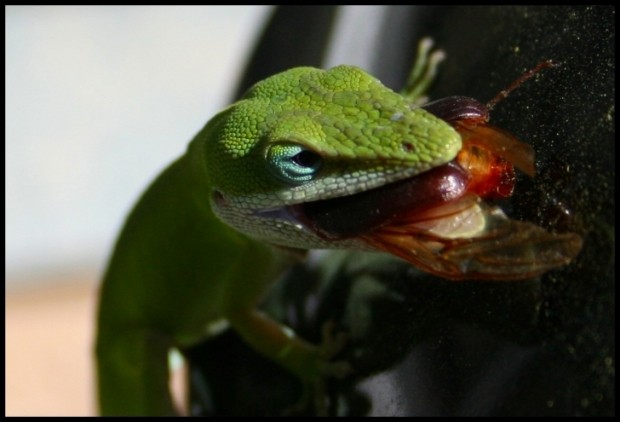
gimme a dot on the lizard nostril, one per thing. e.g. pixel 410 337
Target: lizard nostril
pixel 407 146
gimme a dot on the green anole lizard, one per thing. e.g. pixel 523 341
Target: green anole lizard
pixel 206 240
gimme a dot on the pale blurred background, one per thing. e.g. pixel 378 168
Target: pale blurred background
pixel 98 101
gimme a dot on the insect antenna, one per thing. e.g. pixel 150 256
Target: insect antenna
pixel 519 81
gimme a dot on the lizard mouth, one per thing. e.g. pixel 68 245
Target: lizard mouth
pixel 359 214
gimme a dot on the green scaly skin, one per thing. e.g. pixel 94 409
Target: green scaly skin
pixel 197 250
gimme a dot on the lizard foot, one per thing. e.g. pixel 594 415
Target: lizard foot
pixel 314 395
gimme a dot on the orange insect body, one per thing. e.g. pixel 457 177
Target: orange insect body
pixel 492 177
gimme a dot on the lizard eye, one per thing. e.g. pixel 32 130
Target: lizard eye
pixel 293 164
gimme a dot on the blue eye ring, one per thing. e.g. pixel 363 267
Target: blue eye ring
pixel 293 164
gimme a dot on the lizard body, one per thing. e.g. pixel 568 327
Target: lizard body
pixel 198 247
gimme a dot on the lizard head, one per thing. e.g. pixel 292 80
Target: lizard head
pixel 308 135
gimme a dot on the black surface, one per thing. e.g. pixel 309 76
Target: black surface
pixel 424 346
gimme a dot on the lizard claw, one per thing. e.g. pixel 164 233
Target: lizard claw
pixel 332 343
pixel 314 390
